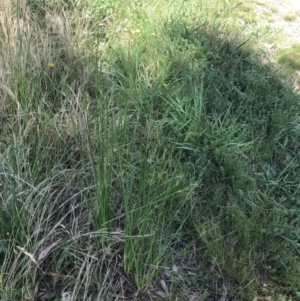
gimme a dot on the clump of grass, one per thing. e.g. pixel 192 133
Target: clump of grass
pixel 274 9
pixel 290 16
pixel 245 8
pixel 248 19
pixel 261 3
pixel 144 160
pixel 290 57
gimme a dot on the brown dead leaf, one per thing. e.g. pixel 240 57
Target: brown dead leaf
pixel 175 269
pixel 45 251
pixel 180 277
pixel 164 286
pixel 28 297
pixel 56 276
pixel 28 254
pixel 161 294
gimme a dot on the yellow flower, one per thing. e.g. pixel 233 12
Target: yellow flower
pixel 165 85
pixel 135 31
pixel 153 34
pixel 51 65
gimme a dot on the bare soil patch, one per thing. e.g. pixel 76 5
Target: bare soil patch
pixel 283 17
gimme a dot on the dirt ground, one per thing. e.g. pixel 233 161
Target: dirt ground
pixel 290 29
pixel 283 7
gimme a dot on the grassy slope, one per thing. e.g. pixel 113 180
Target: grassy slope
pixel 146 152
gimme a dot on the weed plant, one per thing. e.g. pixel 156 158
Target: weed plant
pixel 146 153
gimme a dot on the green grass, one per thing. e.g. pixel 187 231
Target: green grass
pixel 290 57
pixel 155 157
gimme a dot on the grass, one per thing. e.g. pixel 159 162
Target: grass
pixel 290 16
pixel 144 160
pixel 290 57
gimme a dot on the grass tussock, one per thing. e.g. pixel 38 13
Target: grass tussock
pixel 290 16
pixel 146 153
pixel 290 57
